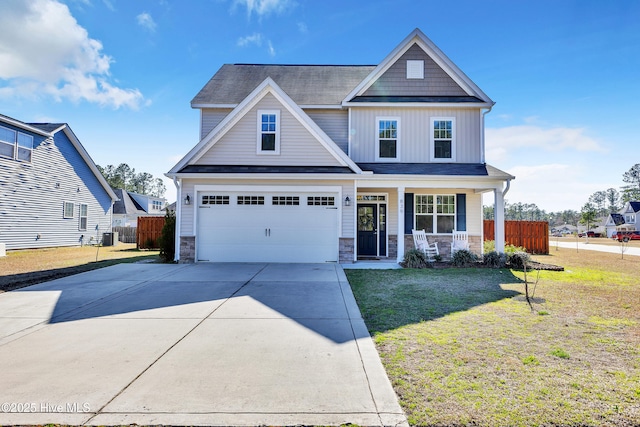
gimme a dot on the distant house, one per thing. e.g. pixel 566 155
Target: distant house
pixel 51 193
pixel 624 220
pixel 132 205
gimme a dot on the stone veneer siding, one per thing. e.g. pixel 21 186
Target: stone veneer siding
pixel 187 249
pixel 444 243
pixel 346 250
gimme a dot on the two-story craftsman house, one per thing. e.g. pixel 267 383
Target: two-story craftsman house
pixel 315 163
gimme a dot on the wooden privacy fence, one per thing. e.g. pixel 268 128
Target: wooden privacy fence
pixel 532 235
pixel 149 231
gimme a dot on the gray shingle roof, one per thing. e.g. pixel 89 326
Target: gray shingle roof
pixel 453 169
pixel 305 84
pixel 126 204
pixel 264 169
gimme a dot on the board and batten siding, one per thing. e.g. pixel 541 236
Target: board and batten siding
pixel 335 123
pixel 415 143
pixel 297 146
pixel 187 214
pixel 210 118
pixel 32 197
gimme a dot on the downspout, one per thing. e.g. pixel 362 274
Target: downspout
pixel 484 113
pixel 178 185
pixel 506 189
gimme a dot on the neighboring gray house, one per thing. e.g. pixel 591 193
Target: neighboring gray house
pixel 51 193
pixel 625 220
pixel 316 163
pixel 132 205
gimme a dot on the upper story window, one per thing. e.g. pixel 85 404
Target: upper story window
pixel 15 145
pixel 630 218
pixel 268 132
pixel 443 139
pixel 388 138
pixel 156 205
pixel 415 69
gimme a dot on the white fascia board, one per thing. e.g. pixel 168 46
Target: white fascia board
pixel 207 177
pixel 214 105
pixel 24 126
pixel 418 104
pixel 88 160
pixel 434 53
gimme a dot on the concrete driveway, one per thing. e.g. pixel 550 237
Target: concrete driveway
pixel 205 344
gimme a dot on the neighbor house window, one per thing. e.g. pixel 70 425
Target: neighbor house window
pixel 83 217
pixel 435 213
pixel 443 139
pixel 15 145
pixel 268 132
pixel 156 205
pixel 387 138
pixel 67 210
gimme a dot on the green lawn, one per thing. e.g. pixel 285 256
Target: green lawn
pixel 462 346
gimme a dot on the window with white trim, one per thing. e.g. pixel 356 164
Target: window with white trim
pixel 268 132
pixel 285 200
pixel 250 200
pixel 84 211
pixel 415 69
pixel 67 210
pixel 435 213
pixel 387 138
pixel 215 200
pixel 321 201
pixel 15 145
pixel 443 139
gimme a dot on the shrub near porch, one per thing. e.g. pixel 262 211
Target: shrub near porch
pixel 461 346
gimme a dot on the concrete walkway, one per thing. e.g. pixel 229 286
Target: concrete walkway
pixel 205 344
pixel 583 246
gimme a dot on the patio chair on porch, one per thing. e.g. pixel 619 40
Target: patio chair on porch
pixel 460 241
pixel 422 244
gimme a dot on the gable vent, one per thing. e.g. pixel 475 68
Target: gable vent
pixel 415 69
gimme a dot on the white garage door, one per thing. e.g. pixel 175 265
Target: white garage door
pixel 267 227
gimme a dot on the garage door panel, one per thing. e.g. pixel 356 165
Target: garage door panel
pixel 267 233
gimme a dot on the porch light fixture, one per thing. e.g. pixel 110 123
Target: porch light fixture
pixel 347 201
pixel 187 200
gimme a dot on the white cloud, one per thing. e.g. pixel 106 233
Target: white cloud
pixel 255 38
pixel 272 51
pixel 146 21
pixel 43 50
pixel 264 7
pixel 302 27
pixel 502 141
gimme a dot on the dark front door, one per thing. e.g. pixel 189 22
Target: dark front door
pixel 367 230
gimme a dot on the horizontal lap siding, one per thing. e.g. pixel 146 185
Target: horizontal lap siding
pixel 415 133
pixel 335 123
pixel 210 118
pixel 32 196
pixel 297 146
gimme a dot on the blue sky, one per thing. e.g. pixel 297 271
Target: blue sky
pixel 122 73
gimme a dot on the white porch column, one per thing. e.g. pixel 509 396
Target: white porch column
pixel 498 216
pixel 400 223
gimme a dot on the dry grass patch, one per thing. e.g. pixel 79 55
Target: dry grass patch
pixel 463 347
pixel 27 267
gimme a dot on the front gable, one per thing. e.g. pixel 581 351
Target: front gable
pixel 434 81
pixel 417 71
pixel 235 140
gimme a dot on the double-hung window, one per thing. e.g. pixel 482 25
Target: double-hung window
pixel 67 210
pixel 388 138
pixel 15 145
pixel 443 139
pixel 435 213
pixel 83 217
pixel 268 132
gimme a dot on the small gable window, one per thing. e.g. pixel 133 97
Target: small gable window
pixel 268 132
pixel 415 69
pixel 388 137
pixel 443 142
